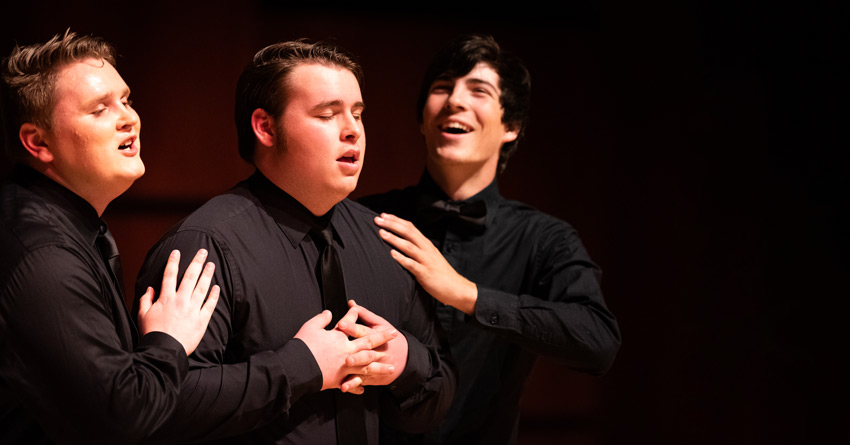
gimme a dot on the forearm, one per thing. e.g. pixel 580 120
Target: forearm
pixel 222 397
pixel 420 397
pixel 418 400
pixel 581 332
pixel 64 360
pixel 222 400
pixel 556 307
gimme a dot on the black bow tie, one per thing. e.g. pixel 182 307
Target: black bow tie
pixel 471 214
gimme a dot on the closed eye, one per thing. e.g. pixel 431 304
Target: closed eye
pixel 441 88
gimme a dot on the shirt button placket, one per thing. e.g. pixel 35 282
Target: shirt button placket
pixel 450 248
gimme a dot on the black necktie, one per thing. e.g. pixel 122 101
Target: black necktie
pixel 109 252
pixel 350 419
pixel 329 273
pixel 470 214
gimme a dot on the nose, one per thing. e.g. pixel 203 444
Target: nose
pixel 128 119
pixel 352 128
pixel 456 100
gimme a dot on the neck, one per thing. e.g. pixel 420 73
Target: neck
pixel 98 197
pixel 317 203
pixel 317 207
pixel 460 182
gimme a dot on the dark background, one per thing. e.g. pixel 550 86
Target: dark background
pixel 697 147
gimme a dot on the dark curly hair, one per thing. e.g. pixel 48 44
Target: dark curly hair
pixel 460 56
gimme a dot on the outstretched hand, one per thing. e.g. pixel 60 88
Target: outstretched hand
pixel 417 254
pixel 181 312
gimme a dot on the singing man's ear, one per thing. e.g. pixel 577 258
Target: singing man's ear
pixel 34 141
pixel 263 125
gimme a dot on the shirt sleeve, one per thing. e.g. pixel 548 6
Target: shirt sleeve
pixel 420 397
pixel 62 358
pixel 564 315
pixel 220 399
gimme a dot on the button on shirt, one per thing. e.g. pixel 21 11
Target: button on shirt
pixel 538 294
pixel 257 236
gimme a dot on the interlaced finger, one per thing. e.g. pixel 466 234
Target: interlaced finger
pixel 350 318
pixel 363 358
pixel 352 384
pixel 376 338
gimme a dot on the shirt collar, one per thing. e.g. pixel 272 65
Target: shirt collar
pixel 291 216
pixel 77 210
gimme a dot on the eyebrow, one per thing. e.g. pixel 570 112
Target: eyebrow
pixel 104 97
pixel 337 103
pixel 476 81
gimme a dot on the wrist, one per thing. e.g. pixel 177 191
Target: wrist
pixel 467 298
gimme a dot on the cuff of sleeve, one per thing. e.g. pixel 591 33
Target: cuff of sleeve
pixel 169 346
pixel 301 368
pixel 415 370
pixel 496 310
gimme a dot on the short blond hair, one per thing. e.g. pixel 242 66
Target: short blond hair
pixel 29 81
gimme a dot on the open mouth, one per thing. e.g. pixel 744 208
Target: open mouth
pixel 128 144
pixel 349 157
pixel 455 128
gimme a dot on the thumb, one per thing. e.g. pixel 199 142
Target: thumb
pixel 145 302
pixel 320 321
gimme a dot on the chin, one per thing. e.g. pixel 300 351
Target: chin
pixel 137 171
pixel 128 178
pixel 345 189
pixel 448 154
pixel 448 160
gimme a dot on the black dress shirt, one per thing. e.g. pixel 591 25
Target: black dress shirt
pixel 72 368
pixel 538 293
pixel 251 372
